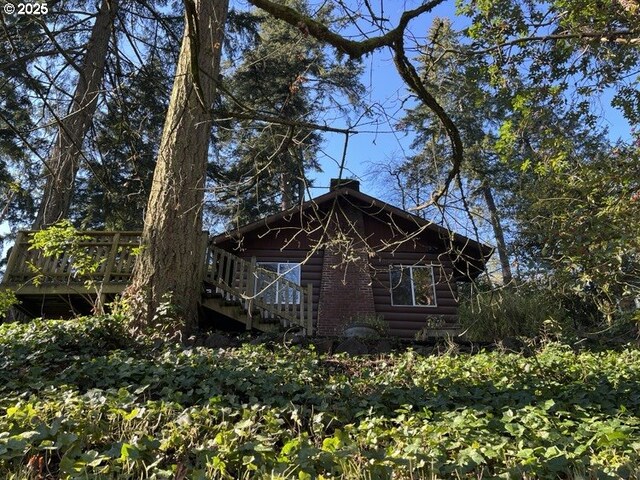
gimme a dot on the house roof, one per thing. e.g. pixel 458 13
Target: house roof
pixel 471 249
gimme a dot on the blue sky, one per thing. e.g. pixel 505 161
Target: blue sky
pixel 382 141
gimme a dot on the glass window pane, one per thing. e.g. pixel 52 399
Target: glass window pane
pixel 266 282
pixel 291 272
pixel 424 288
pixel 401 286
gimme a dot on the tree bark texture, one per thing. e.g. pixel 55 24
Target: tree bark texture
pixel 494 216
pixel 64 160
pixel 169 268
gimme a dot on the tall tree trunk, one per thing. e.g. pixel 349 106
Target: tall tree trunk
pixel 285 191
pixel 62 165
pixel 507 276
pixel 170 264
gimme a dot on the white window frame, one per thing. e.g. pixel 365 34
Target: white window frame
pixel 413 289
pixel 281 272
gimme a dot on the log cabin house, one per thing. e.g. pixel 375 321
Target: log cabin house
pixel 337 259
pixel 362 258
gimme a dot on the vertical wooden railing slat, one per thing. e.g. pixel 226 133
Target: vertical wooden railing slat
pixel 227 271
pixel 215 267
pixel 309 309
pixel 108 268
pixel 220 272
pixel 287 291
pixel 301 310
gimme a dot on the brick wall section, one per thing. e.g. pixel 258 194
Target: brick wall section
pixel 345 286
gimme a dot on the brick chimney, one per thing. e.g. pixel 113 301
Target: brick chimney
pixel 337 183
pixel 345 286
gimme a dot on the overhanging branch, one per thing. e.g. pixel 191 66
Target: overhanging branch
pixel 259 117
pixel 393 39
pixel 412 79
pixel 320 31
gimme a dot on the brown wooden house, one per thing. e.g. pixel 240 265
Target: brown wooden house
pixel 361 258
pixel 334 260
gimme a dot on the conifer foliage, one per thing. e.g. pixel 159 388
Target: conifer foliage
pixel 292 76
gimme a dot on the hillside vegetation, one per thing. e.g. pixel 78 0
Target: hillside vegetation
pixel 80 399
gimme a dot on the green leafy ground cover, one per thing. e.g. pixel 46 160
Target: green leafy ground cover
pixel 78 399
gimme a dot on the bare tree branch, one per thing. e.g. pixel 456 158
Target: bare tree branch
pixel 410 76
pixel 629 37
pixel 352 48
pixel 284 121
pixel 393 39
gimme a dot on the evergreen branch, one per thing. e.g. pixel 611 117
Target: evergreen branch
pixel 31 56
pixel 57 46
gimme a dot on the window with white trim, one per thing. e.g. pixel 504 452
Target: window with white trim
pixel 269 284
pixel 412 286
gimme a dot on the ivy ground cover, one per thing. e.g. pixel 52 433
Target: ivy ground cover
pixel 79 399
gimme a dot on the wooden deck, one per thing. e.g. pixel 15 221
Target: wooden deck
pixel 51 286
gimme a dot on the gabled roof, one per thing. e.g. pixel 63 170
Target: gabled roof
pixel 473 250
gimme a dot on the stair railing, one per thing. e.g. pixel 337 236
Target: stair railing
pixel 259 291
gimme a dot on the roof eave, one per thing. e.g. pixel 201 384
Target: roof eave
pixel 483 251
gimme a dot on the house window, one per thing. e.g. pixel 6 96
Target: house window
pixel 412 286
pixel 270 285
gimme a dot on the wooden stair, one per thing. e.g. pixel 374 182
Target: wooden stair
pixel 49 286
pixel 254 296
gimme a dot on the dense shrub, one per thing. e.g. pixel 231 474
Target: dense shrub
pixel 525 312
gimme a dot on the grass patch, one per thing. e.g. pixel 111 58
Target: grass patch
pixel 78 399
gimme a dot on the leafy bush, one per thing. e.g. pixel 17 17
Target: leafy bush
pixel 61 239
pixel 7 300
pixel 267 411
pixel 373 321
pixel 526 312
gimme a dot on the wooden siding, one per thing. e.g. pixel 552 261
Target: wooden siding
pixel 282 241
pixel 406 321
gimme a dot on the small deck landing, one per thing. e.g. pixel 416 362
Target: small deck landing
pixel 51 287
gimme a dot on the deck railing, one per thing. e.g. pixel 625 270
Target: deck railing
pixel 273 297
pixel 259 291
pixel 111 252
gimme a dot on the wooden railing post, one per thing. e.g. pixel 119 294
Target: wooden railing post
pixel 106 278
pixel 251 291
pixel 215 267
pixel 204 254
pixel 309 324
pixel 112 258
pixel 13 258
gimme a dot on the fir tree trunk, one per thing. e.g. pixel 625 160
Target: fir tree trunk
pixel 169 268
pixel 505 265
pixel 285 191
pixel 62 165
